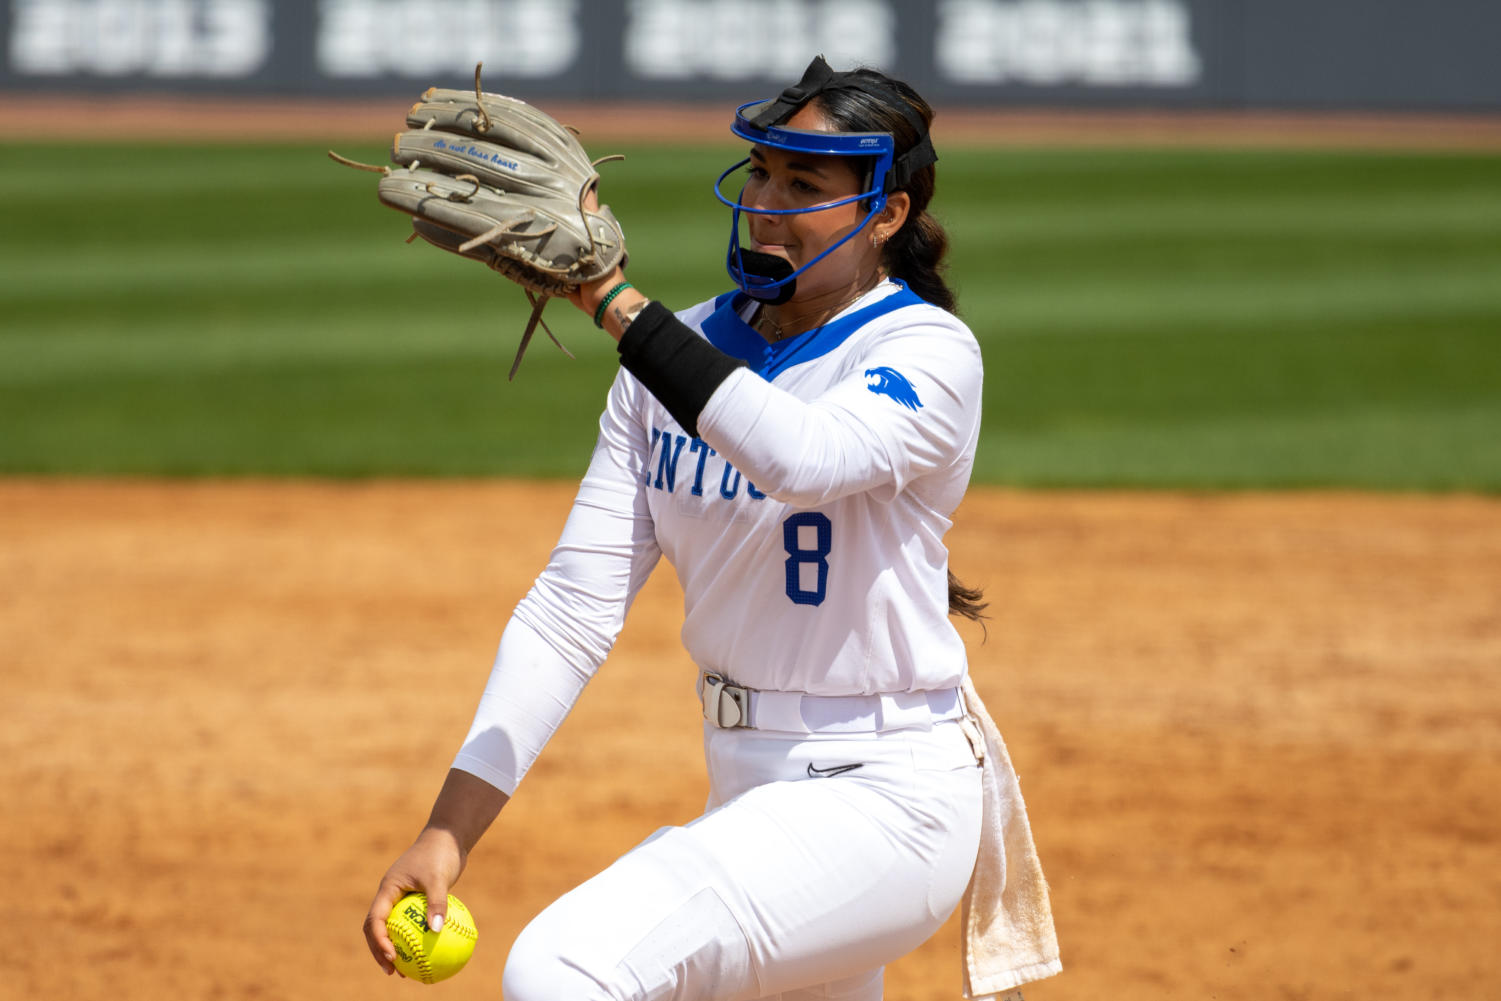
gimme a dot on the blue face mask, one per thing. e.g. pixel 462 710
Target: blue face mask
pixel 772 279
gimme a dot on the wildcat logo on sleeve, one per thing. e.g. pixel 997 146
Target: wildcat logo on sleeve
pixel 889 382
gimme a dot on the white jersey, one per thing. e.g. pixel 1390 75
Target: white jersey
pixel 805 522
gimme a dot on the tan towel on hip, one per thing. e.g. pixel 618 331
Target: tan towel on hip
pixel 1008 932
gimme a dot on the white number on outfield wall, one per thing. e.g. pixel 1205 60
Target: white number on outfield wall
pixel 740 40
pixel 161 38
pixel 420 38
pixel 1096 43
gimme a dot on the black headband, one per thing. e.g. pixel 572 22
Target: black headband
pixel 818 77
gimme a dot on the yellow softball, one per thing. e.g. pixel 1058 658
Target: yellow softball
pixel 425 955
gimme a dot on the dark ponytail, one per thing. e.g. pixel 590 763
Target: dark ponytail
pixel 966 601
pixel 915 253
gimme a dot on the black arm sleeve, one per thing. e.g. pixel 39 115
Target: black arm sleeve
pixel 674 363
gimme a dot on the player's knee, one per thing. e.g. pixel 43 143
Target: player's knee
pixel 542 968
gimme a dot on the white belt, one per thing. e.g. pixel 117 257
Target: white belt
pixel 726 706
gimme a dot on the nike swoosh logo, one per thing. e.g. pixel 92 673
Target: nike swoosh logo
pixel 824 773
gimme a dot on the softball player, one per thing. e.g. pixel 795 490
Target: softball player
pixel 795 448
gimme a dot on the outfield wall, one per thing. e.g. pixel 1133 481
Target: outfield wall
pixel 1358 55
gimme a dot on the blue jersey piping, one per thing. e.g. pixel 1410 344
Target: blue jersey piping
pixel 729 333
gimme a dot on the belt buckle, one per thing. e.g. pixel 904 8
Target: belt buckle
pixel 725 705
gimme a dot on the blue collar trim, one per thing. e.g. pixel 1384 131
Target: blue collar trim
pixel 729 333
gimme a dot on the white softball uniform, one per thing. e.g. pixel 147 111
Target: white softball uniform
pixel 805 521
pixel 788 887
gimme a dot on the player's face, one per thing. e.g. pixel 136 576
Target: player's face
pixel 783 179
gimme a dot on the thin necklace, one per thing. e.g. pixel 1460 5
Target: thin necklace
pixel 764 320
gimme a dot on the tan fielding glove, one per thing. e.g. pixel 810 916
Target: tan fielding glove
pixel 494 179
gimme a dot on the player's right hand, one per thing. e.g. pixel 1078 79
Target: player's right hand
pixel 431 865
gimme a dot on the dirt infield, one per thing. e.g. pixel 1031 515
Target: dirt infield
pixel 1260 736
pixel 29 117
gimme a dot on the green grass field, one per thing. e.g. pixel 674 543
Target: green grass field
pixel 1150 318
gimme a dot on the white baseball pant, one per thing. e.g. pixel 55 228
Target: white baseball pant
pixel 792 885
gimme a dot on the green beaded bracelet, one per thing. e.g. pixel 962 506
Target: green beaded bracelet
pixel 599 314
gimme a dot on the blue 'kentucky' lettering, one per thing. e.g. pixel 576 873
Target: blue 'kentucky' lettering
pixel 656 433
pixel 889 382
pixel 667 460
pixel 726 490
pixel 667 467
pixel 704 451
